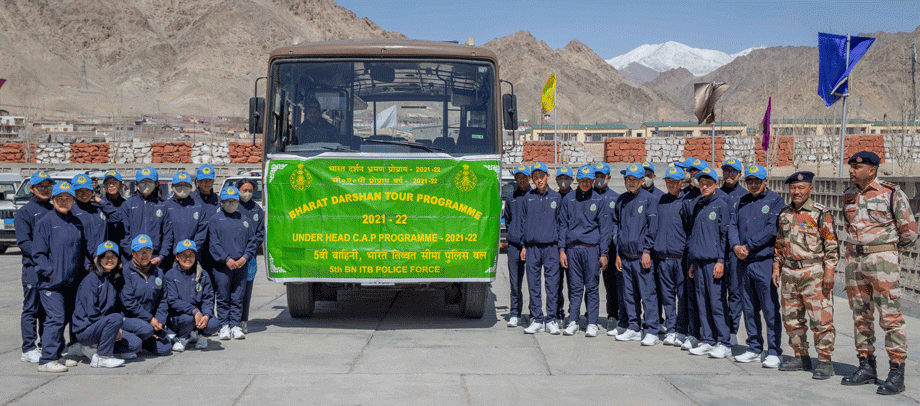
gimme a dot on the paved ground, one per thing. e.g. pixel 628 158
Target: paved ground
pixel 409 348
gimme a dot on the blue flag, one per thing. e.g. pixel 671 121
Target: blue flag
pixel 833 70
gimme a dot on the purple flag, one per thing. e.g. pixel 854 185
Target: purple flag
pixel 2 81
pixel 765 143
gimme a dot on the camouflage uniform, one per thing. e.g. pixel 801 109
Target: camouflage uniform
pixel 806 246
pixel 879 224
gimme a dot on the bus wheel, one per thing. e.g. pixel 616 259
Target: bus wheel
pixel 474 296
pixel 300 299
pixel 453 294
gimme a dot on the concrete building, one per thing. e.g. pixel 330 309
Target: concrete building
pixel 579 132
pixel 12 126
pixel 689 129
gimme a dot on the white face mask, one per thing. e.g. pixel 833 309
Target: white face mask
pixel 649 182
pixel 230 206
pixel 695 182
pixel 145 188
pixel 244 197
pixel 182 192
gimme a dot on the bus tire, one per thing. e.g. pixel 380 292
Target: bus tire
pixel 453 294
pixel 300 299
pixel 474 296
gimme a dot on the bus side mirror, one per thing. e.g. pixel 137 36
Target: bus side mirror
pixel 256 107
pixel 509 111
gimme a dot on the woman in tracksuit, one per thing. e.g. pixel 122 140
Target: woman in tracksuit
pixel 247 187
pixel 25 222
pixel 96 319
pixel 144 213
pixel 187 215
pixel 144 298
pixel 190 298
pixel 111 202
pixel 233 239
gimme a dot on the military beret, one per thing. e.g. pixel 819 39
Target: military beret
pixel 801 176
pixel 865 157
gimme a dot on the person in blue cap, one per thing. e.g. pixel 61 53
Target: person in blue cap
pixel 252 209
pixel 58 250
pixel 188 215
pixel 190 298
pixel 635 222
pixel 91 214
pixel 564 178
pixel 96 318
pixel 648 183
pixel 111 202
pixel 232 240
pixel 731 185
pixel 585 232
pixel 512 213
pixel 752 237
pixel 710 220
pixel 144 299
pixel 615 306
pixel 145 213
pixel 24 222
pixel 204 180
pixel 692 166
pixel 668 255
pixel 541 251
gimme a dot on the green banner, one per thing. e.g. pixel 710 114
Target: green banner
pixel 376 219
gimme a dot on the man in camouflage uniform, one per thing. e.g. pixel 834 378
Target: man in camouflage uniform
pixel 803 269
pixel 879 225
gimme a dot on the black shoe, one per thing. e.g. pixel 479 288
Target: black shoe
pixel 866 373
pixel 895 382
pixel 824 370
pixel 802 363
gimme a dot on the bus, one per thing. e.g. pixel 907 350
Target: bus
pixel 381 169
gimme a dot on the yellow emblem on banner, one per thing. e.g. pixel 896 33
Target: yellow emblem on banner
pixel 465 180
pixel 301 178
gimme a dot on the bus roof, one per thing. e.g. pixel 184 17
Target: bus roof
pixel 376 48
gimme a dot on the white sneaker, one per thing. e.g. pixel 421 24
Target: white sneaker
pixel 630 335
pixel 701 349
pixel 720 351
pixel 126 355
pixel 571 329
pixel 733 341
pixel 224 333
pixel 202 343
pixel 772 361
pixel 244 326
pixel 535 328
pixel 31 356
pixel 679 340
pixel 171 336
pixel 105 362
pixel 237 333
pixel 553 328
pixel 514 322
pixel 669 338
pixel 179 345
pixel 616 331
pixel 690 343
pixel 650 340
pixel 53 366
pixel 70 363
pixel 591 330
pixel 748 356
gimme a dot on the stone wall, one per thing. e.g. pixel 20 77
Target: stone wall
pixel 171 152
pixel 89 153
pixel 664 149
pixel 624 150
pixel 541 151
pixel 51 153
pixel 245 152
pixel 12 153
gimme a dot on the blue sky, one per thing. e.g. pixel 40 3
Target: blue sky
pixel 613 28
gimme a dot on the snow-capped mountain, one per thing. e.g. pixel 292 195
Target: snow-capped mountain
pixel 671 55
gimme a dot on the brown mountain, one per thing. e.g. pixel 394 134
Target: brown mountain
pixel 638 73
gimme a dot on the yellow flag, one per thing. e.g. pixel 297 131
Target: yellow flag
pixel 548 100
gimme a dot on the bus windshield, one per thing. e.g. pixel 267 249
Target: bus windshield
pixel 381 106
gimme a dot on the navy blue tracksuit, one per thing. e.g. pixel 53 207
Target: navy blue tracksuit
pixel 188 294
pixel 96 319
pixel 755 228
pixel 635 223
pixel 211 205
pixel 24 221
pixel 231 236
pixel 147 216
pixel 560 291
pixel 255 212
pixel 144 298
pixel 585 232
pixel 514 217
pixel 667 255
pixel 115 225
pixel 706 247
pixel 613 280
pixel 95 225
pixel 735 302
pixel 59 252
pixel 541 240
pixel 189 222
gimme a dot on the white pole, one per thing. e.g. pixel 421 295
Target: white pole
pixel 712 137
pixel 555 131
pixel 843 119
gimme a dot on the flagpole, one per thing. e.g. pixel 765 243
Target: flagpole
pixel 843 119
pixel 555 132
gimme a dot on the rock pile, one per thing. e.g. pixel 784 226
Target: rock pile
pixel 215 153
pixel 245 152
pixel 624 150
pixel 89 153
pixel 171 152
pixel 10 152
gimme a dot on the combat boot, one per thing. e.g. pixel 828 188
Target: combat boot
pixel 866 373
pixel 824 370
pixel 802 363
pixel 895 382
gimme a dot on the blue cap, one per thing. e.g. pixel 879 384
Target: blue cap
pixel 699 164
pixel 112 174
pixel 522 169
pixel 602 167
pixel 539 166
pixel 686 163
pixel 205 171
pixel 147 173
pixel 564 171
pixel 105 247
pixel 186 245
pixel 801 176
pixel 140 242
pixel 585 172
pixel 648 165
pixel 82 182
pixel 865 157
pixel 230 192
pixel 182 177
pixel 39 177
pixel 674 172
pixel 709 173
pixel 756 171
pixel 634 170
pixel 63 187
pixel 734 164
